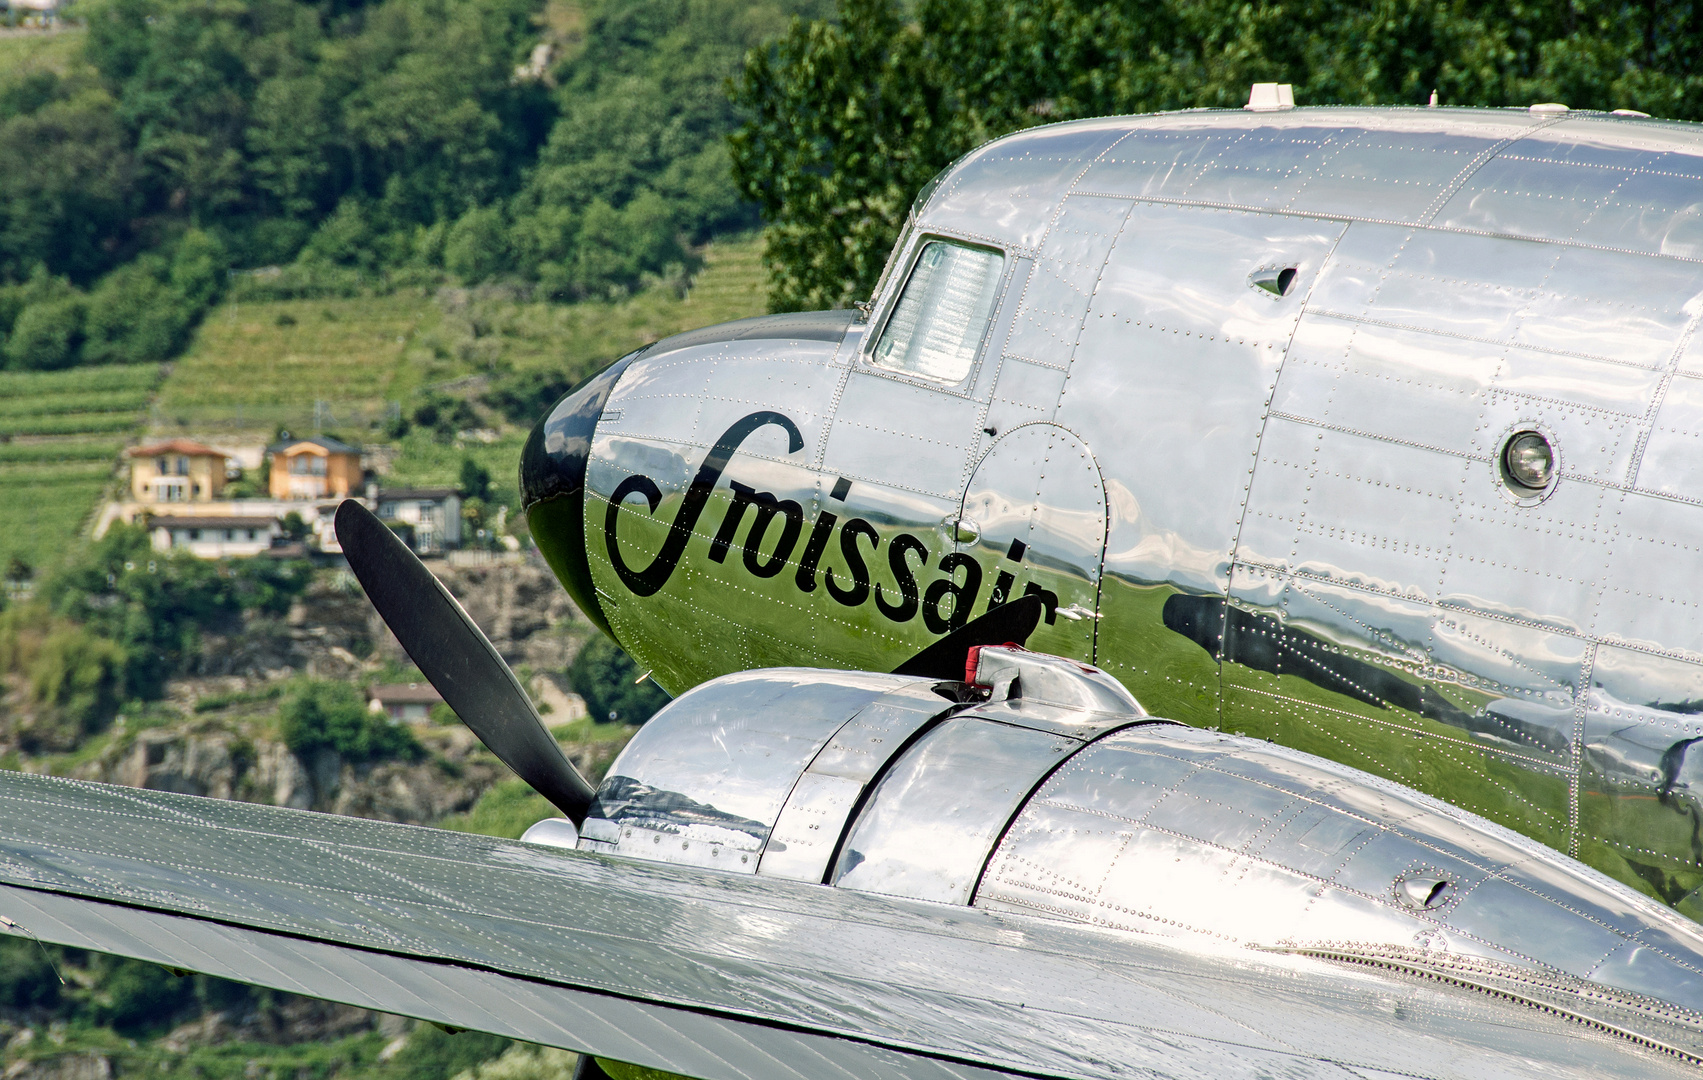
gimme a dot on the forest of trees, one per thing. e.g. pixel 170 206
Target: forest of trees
pixel 848 117
pixel 337 146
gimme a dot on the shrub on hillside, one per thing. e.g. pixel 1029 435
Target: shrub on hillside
pixel 135 318
pixel 142 312
pixel 434 1054
pixel 137 997
pixel 73 679
pixel 475 481
pixel 605 676
pixel 27 979
pixel 477 247
pixel 524 395
pixel 47 335
pixel 444 415
pixel 324 715
pixel 154 606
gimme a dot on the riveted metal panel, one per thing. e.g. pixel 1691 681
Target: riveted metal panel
pixel 1641 737
pixel 1025 392
pixel 1345 373
pixel 890 432
pixel 1673 459
pixel 1061 281
pixel 810 825
pixel 932 819
pixel 1037 508
pixel 1520 194
pixel 1654 592
pixel 1510 682
pixel 1180 350
pixel 1542 565
pixel 1266 168
pixel 1468 286
pixel 705 780
pixel 1632 309
pixel 1351 508
pixel 1334 670
pixel 1328 162
pixel 1388 172
pixel 1232 840
pixel 1271 527
pixel 1350 280
pixel 1596 180
pixel 1007 191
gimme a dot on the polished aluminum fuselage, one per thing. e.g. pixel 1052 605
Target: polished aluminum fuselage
pixel 1276 514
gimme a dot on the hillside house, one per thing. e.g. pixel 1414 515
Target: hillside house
pixel 431 516
pixel 316 468
pixel 403 702
pixel 214 537
pixel 177 470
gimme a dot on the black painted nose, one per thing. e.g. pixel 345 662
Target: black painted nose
pixel 552 484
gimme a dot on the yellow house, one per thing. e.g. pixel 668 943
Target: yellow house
pixel 177 470
pixel 316 468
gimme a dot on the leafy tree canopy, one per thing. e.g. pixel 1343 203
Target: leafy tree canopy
pixel 154 606
pixel 606 677
pixel 848 117
pixel 326 715
pixel 571 145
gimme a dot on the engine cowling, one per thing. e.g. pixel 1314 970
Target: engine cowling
pixel 1042 787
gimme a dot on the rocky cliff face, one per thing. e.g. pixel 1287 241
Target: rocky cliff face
pixel 219 759
pixel 334 633
pixel 199 746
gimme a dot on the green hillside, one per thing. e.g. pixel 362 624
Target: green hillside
pixel 23 54
pixel 349 367
pixel 60 435
pixel 353 364
pixel 253 365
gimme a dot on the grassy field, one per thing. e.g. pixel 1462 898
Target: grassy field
pixel 51 480
pixel 294 352
pixel 61 450
pixel 359 354
pixel 255 367
pixel 22 53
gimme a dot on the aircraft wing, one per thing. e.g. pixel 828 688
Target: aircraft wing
pixel 713 975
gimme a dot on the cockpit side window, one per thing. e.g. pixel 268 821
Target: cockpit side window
pixel 942 311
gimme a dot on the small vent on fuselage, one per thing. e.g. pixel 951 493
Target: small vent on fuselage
pixel 1276 280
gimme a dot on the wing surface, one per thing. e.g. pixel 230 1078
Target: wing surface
pixel 719 976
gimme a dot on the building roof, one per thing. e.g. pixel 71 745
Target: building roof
pixel 398 494
pixel 329 445
pixel 186 447
pixel 420 693
pixel 209 522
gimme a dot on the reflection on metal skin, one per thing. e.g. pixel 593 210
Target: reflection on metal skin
pixel 1279 512
pixel 706 785
pixel 1106 818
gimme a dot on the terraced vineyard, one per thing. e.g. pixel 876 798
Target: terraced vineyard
pixel 257 366
pixel 60 436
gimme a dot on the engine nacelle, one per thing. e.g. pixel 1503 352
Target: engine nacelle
pixel 1042 787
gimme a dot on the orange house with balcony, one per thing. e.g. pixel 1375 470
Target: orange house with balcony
pixel 316 468
pixel 177 470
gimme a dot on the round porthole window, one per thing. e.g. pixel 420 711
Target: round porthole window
pixel 1528 465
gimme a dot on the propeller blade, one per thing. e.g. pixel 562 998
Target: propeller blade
pixel 1012 622
pixel 457 658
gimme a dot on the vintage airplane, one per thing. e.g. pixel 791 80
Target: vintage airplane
pixel 1336 468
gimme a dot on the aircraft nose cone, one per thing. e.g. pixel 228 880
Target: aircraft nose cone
pixel 552 484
